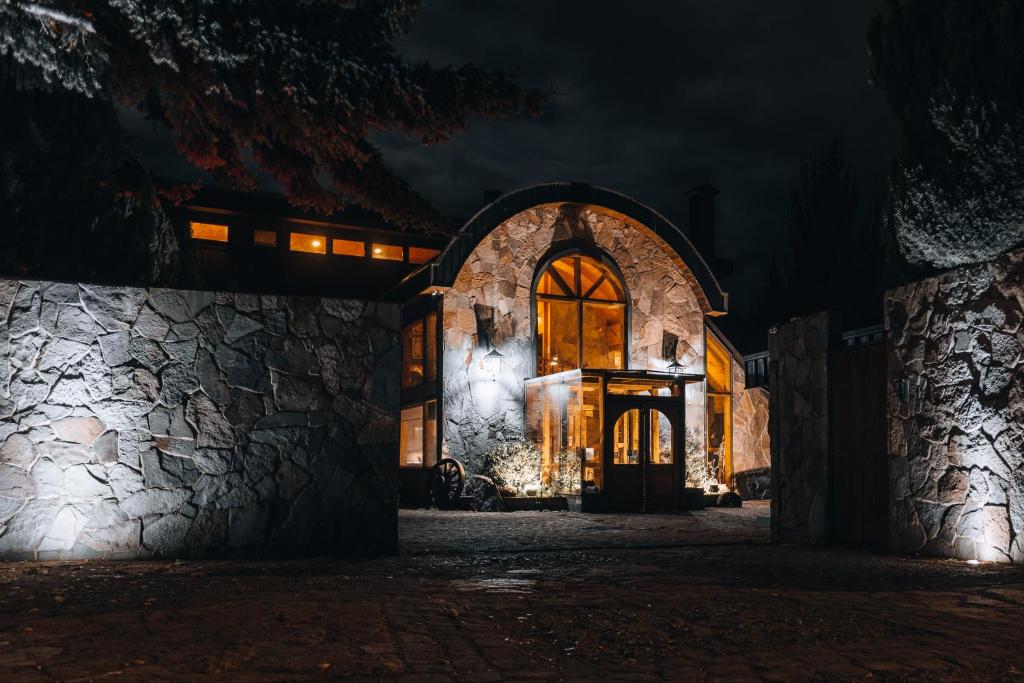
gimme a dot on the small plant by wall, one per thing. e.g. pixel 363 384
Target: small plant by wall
pixel 515 464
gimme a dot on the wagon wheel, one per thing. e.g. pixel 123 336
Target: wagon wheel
pixel 447 479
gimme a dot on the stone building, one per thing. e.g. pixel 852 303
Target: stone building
pixel 583 321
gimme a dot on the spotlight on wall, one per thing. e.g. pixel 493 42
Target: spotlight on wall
pixel 492 363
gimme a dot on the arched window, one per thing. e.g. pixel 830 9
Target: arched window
pixel 581 316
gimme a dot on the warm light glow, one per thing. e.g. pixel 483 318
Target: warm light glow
pixel 348 248
pixel 419 255
pixel 211 232
pixel 973 562
pixel 310 244
pixel 388 252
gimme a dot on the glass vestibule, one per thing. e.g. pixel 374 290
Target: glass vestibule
pixel 565 419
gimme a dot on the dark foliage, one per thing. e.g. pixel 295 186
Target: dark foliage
pixel 74 203
pixel 953 71
pixel 295 87
pixel 841 253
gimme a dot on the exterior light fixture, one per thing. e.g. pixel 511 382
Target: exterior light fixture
pixel 378 250
pixel 492 363
pixel 973 562
pixel 674 367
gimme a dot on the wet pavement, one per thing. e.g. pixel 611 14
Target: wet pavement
pixel 689 612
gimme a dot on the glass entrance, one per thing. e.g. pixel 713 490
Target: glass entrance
pixel 642 465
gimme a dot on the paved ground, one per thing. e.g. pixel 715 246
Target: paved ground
pixel 423 532
pixel 691 612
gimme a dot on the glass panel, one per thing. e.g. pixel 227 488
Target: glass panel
pixel 430 434
pixel 718 365
pixel 563 418
pixel 311 244
pixel 565 268
pixel 422 254
pixel 348 248
pixel 208 231
pixel 603 339
pixel 661 438
pixel 551 285
pixel 557 334
pixel 626 439
pixel 264 238
pixel 411 437
pixel 430 361
pixel 412 354
pixel 387 252
pixel 719 433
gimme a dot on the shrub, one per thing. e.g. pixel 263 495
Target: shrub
pixel 515 464
pixel 565 476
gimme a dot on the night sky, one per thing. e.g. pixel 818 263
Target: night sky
pixel 654 98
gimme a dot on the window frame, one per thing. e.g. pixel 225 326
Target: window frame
pixel 605 260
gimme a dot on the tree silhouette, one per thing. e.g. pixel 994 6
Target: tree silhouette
pixel 952 71
pixel 298 87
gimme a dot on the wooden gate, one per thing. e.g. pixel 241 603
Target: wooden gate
pixel 859 467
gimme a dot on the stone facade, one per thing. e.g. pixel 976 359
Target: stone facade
pixel 751 460
pixel 956 412
pixel 491 300
pixel 139 422
pixel 799 427
pixel 492 294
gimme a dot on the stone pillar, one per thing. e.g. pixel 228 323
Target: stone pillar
pixel 799 426
pixel 956 412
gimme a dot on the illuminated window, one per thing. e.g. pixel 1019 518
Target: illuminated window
pixel 311 244
pixel 719 409
pixel 422 254
pixel 264 238
pixel 211 232
pixel 348 248
pixel 387 252
pixel 581 316
pixel 419 351
pixel 418 435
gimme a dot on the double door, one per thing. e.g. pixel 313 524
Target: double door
pixel 643 449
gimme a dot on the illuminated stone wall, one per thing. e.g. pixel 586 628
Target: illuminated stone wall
pixel 751 460
pixel 141 422
pixel 492 296
pixel 956 412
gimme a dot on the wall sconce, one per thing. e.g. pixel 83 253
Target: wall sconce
pixel 674 367
pixel 492 363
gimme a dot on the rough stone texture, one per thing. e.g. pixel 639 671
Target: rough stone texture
pixel 751 460
pixel 956 444
pixel 139 422
pixel 665 299
pixel 799 427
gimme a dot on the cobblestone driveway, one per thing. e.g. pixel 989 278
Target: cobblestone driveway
pixel 434 531
pixel 698 612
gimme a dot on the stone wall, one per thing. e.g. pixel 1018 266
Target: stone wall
pixel 492 292
pixel 956 412
pixel 799 427
pixel 140 422
pixel 751 446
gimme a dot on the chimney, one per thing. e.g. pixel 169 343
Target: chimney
pixel 702 228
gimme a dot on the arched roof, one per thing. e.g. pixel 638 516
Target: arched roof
pixel 443 271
